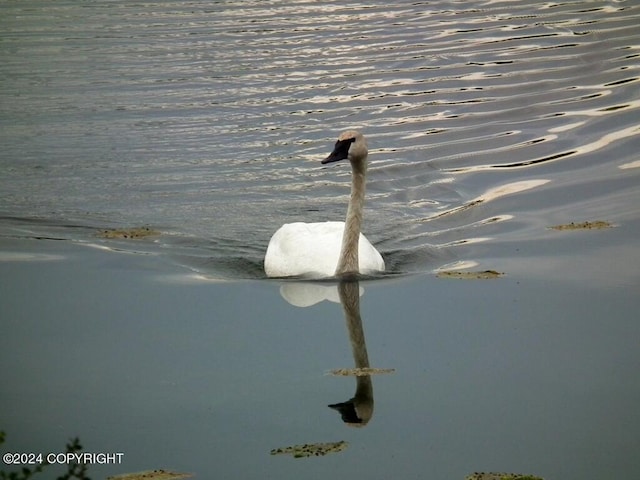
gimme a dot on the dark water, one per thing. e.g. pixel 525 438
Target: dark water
pixel 487 122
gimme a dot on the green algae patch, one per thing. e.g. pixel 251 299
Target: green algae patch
pixel 595 225
pixel 484 275
pixel 360 372
pixel 129 233
pixel 151 475
pixel 311 449
pixel 500 476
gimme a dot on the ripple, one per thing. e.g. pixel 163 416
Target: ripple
pixel 209 119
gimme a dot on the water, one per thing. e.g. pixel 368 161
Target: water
pixel 487 123
pixel 208 121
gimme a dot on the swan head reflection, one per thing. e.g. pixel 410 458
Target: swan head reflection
pixel 358 411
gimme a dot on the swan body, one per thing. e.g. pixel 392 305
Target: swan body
pixel 313 250
pixel 329 249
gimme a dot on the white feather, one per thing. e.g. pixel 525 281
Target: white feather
pixel 313 250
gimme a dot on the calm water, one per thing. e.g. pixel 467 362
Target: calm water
pixel 487 123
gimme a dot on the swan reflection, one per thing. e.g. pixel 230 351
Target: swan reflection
pixel 306 294
pixel 358 410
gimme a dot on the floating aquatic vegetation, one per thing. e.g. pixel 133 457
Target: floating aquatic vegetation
pixel 129 233
pixel 485 275
pixel 151 475
pixel 500 476
pixel 595 225
pixel 311 449
pixel 360 372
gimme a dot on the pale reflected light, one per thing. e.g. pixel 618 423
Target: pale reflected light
pixel 602 142
pixel 629 165
pixel 599 112
pixel 29 257
pixel 608 139
pixel 509 189
pixel 493 194
pixel 460 265
pixel 465 241
pixel 565 128
pixel 190 278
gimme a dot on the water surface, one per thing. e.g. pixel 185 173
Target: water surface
pixel 487 122
pixel 208 121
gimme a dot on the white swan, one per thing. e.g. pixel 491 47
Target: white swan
pixel 329 249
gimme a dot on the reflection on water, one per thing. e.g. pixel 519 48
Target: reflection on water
pixel 517 373
pixel 306 294
pixel 358 410
pixel 207 121
pixel 488 123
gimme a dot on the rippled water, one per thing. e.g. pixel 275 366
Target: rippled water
pixel 207 121
pixel 487 122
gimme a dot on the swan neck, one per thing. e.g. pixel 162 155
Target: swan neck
pixel 348 262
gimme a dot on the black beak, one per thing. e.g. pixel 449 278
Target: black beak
pixel 340 151
pixel 335 156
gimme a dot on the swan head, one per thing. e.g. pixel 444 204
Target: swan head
pixel 351 145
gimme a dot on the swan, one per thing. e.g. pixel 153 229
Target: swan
pixel 327 249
